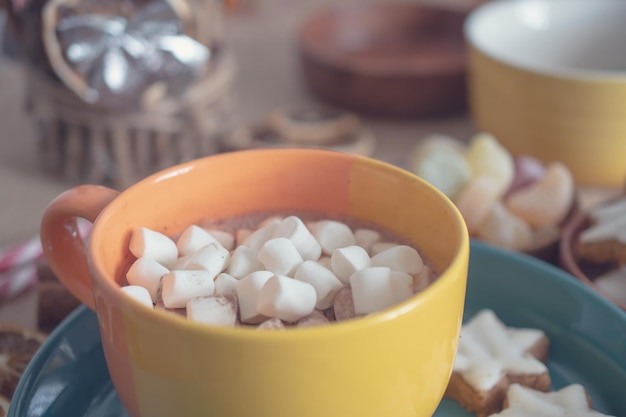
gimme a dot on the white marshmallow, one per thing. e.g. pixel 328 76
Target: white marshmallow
pixel 372 290
pixel 138 293
pixel 269 220
pixel 343 306
pixel 226 239
pixel 280 256
pixel 257 238
pixel 423 279
pixel 181 286
pixel 180 263
pixel 402 286
pixel 286 298
pixel 365 238
pixel 379 247
pixel 154 245
pixel 226 285
pixel 212 310
pixel 241 235
pixel 326 284
pixel 147 272
pixel 333 235
pixel 248 289
pixel 295 230
pixel 193 239
pixel 243 261
pixel 401 258
pixel 212 258
pixel 178 311
pixel 346 261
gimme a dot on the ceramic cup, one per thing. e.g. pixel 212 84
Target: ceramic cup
pixel 548 79
pixel 393 363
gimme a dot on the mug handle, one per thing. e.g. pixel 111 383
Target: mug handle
pixel 62 244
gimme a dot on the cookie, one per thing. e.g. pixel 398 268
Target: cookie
pixel 313 126
pixel 491 357
pixel 605 239
pixel 525 402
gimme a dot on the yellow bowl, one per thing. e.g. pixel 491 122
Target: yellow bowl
pixel 548 79
pixel 393 363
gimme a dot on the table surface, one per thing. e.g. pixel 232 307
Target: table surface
pixel 262 40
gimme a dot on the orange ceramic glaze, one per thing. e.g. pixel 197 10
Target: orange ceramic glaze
pixel 393 363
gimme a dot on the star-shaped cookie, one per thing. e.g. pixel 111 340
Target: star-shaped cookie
pixel 491 357
pixel 569 401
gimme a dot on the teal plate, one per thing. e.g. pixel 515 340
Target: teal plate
pixel 68 375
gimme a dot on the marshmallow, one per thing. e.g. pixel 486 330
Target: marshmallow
pixel 401 258
pixel 326 284
pixel 243 261
pixel 224 238
pixel 379 247
pixel 316 318
pixel 147 272
pixel 138 293
pixel 154 245
pixel 423 279
pixel 346 261
pixel 257 239
pixel 212 258
pixel 280 256
pixel 270 220
pixel 213 310
pixel 181 286
pixel 286 298
pixel 333 235
pixel 295 230
pixel 180 263
pixel 372 290
pixel 225 285
pixel 193 239
pixel 241 235
pixel 365 238
pixel 343 306
pixel 271 324
pixel 248 289
pixel 401 285
pixel 179 311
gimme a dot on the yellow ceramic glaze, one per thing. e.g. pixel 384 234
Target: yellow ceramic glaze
pixel 537 97
pixel 393 363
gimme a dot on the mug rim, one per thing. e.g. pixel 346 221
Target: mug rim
pixel 488 12
pixel 446 278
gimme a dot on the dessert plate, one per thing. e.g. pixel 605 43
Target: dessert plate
pixel 68 376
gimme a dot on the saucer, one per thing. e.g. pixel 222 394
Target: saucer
pixel 68 375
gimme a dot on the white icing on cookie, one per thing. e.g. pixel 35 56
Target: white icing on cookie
pixel 609 222
pixel 526 402
pixel 488 350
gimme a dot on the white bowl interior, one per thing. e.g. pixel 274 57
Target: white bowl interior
pixel 563 36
